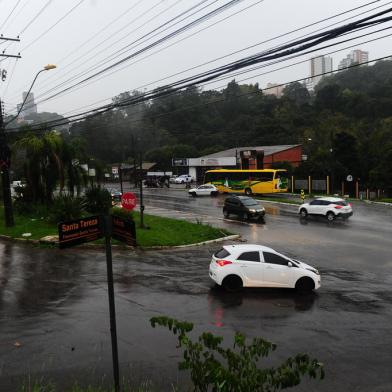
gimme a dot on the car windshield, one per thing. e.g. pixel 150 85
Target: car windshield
pixel 250 202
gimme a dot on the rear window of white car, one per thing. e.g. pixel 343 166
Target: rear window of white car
pixel 340 203
pixel 249 256
pixel 222 253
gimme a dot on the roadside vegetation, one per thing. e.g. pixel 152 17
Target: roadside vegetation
pixel 344 126
pixel 37 221
pixel 213 366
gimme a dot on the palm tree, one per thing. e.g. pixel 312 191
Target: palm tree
pixel 43 165
pixel 73 152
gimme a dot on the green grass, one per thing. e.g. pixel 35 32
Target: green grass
pixel 170 232
pixel 387 200
pixel 159 231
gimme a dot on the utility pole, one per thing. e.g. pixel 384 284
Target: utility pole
pixel 5 161
pixel 141 190
pixel 5 152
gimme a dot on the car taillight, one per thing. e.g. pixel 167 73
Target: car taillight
pixel 222 263
pixel 276 186
pixel 350 205
pixel 338 207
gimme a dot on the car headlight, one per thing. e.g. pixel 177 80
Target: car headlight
pixel 313 270
pixel 252 210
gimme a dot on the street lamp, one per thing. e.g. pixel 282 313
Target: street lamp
pixel 5 155
pixel 45 68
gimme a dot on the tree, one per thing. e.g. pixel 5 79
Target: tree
pixel 43 165
pixel 215 368
pixel 297 92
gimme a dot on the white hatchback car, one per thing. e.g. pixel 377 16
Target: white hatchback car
pixel 330 207
pixel 183 179
pixel 238 266
pixel 204 190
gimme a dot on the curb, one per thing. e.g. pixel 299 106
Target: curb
pixel 100 246
pixel 221 239
pixel 382 203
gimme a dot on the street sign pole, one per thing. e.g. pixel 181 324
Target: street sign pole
pixel 112 309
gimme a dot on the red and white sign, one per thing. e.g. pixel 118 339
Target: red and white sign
pixel 128 201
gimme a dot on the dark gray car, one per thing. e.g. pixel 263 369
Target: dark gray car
pixel 244 207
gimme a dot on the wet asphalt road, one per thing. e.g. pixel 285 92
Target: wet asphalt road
pixel 54 312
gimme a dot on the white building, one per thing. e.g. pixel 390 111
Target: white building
pixel 274 89
pixel 356 56
pixel 319 66
pixel 29 107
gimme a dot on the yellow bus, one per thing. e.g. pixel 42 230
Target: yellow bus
pixel 248 181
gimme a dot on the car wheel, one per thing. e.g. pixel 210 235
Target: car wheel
pixel 193 194
pixel 232 283
pixel 248 191
pixel 330 216
pixel 304 285
pixel 214 194
pixel 303 213
pixel 261 219
pixel 226 213
pixel 245 216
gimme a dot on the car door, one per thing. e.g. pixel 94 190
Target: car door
pixel 315 207
pixel 251 269
pixel 235 206
pixel 277 272
pixel 202 190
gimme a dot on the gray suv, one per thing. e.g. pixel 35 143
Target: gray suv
pixel 244 207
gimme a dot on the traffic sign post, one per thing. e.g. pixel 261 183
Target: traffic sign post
pixel 88 229
pixel 128 201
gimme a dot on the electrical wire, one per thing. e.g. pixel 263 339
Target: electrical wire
pixel 19 12
pixel 110 46
pixel 54 25
pixel 220 99
pixel 263 66
pixel 283 50
pixel 159 41
pixel 373 17
pixel 262 42
pixel 36 16
pixel 10 14
pixel 106 99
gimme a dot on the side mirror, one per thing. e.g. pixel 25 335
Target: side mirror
pixel 289 264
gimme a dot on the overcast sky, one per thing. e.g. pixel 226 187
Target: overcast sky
pixel 88 32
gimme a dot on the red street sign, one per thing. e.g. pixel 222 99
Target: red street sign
pixel 128 201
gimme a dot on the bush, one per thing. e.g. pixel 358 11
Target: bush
pixel 66 207
pixel 97 200
pixel 214 368
pixel 122 213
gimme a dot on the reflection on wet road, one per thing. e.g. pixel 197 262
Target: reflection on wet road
pixel 54 312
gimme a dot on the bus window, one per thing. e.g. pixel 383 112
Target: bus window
pixel 261 176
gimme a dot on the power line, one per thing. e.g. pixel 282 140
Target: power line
pixel 54 25
pixel 112 35
pixel 148 47
pixel 19 12
pixel 217 100
pixel 110 46
pixel 279 36
pixel 10 14
pixel 36 16
pixel 276 53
